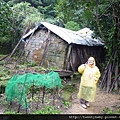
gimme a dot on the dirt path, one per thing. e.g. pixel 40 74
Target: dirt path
pixel 103 99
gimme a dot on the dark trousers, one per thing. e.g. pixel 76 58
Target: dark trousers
pixel 82 101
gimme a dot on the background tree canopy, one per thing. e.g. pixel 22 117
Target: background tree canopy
pixel 5 17
pixel 102 16
pixel 24 17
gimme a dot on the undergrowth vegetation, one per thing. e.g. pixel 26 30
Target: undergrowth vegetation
pixel 53 103
pixel 110 111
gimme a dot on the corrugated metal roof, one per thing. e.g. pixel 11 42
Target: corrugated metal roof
pixel 70 36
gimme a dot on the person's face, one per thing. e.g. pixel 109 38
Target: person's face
pixel 91 62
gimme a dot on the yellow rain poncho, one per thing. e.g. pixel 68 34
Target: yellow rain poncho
pixel 90 76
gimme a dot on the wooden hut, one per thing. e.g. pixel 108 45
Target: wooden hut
pixel 53 46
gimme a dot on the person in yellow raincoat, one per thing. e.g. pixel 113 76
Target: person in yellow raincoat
pixel 90 76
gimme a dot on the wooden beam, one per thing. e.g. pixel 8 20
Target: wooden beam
pixel 18 44
pixel 47 40
pixel 19 57
pixel 68 57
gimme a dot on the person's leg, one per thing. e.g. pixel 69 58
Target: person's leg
pixel 82 101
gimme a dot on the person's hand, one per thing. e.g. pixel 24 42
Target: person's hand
pixel 96 81
pixel 85 64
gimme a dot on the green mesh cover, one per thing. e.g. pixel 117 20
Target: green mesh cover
pixel 18 85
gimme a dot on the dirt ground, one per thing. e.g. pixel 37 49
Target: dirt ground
pixel 103 99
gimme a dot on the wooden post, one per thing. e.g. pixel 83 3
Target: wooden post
pixel 19 57
pixel 10 104
pixel 43 94
pixel 33 90
pixel 47 40
pixel 4 57
pixel 68 56
pixel 54 95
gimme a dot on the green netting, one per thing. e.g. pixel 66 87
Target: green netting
pixel 18 85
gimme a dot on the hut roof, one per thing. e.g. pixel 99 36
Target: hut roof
pixel 82 37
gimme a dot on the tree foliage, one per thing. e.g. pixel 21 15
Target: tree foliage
pixel 69 10
pixel 5 15
pixel 99 15
pixel 45 7
pixel 72 26
pixel 24 16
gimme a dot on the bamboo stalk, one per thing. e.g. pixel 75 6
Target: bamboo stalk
pixel 116 74
pixel 43 95
pixel 10 104
pixel 109 78
pixel 33 90
pixel 103 80
pixel 113 66
pixel 109 60
pixel 26 106
pixel 107 74
pixel 53 96
pixel 114 82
